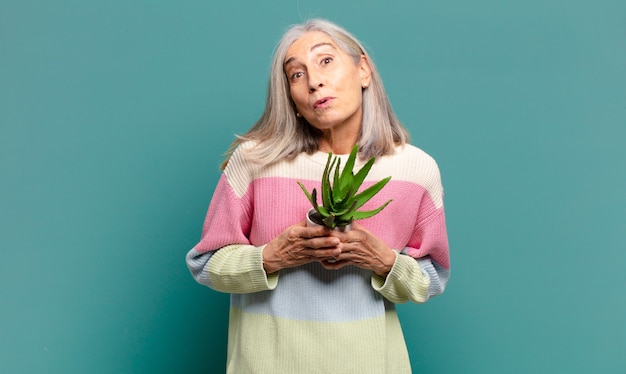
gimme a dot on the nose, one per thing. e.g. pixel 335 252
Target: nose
pixel 315 82
pixel 314 87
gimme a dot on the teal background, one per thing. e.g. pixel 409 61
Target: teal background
pixel 114 116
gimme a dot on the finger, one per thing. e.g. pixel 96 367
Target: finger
pixel 343 236
pixel 313 232
pixel 322 242
pixel 333 265
pixel 323 254
pixel 304 232
pixel 353 235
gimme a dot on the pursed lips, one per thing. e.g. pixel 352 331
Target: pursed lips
pixel 323 102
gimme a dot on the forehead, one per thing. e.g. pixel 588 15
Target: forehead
pixel 309 42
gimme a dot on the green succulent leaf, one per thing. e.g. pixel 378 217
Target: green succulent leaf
pixel 319 208
pixel 365 213
pixel 326 187
pixel 347 175
pixel 336 196
pixel 306 192
pixel 346 209
pixel 330 221
pixel 314 200
pixel 336 171
pixel 369 192
pixel 323 211
pixel 361 174
pixel 339 188
pixel 352 159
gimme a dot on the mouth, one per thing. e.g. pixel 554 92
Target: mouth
pixel 323 102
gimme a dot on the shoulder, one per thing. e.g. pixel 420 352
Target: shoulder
pixel 240 170
pixel 240 157
pixel 410 164
pixel 244 169
pixel 410 152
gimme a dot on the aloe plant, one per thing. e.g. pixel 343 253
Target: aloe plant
pixel 340 199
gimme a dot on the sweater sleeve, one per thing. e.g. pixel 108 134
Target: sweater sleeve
pixel 224 259
pixel 429 253
pixel 232 269
pixel 412 280
pixel 422 268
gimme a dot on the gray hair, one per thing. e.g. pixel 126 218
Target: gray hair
pixel 279 134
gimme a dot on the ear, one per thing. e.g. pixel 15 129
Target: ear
pixel 364 71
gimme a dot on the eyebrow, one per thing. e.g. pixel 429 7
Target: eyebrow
pixel 290 59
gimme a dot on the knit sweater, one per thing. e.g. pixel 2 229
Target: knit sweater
pixel 308 319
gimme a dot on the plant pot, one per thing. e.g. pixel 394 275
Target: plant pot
pixel 312 221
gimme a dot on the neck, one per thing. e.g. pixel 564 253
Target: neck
pixel 341 148
pixel 338 142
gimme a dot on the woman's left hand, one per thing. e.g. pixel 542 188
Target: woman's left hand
pixel 361 248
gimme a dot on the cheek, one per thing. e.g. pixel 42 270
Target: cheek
pixel 351 82
pixel 356 95
pixel 298 98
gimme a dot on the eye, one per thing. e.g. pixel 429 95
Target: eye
pixel 327 60
pixel 296 75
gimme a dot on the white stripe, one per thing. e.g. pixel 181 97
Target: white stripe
pixel 409 163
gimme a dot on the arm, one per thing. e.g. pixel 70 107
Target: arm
pixel 233 269
pixel 419 272
pixel 403 276
pixel 418 267
pixel 227 261
pixel 225 240
pixel 422 267
pixel 412 280
pixel 224 259
pixel 240 268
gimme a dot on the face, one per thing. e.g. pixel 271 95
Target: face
pixel 325 83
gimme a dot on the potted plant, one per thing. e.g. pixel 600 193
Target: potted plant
pixel 340 199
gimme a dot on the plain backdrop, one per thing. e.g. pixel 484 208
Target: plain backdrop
pixel 114 116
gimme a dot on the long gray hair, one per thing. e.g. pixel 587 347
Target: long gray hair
pixel 279 134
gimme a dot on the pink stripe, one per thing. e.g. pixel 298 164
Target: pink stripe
pixel 396 224
pixel 226 221
pixel 410 220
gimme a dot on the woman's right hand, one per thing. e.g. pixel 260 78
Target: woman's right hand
pixel 299 245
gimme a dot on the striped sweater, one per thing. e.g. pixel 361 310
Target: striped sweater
pixel 308 319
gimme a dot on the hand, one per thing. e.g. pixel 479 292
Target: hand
pixel 299 245
pixel 361 248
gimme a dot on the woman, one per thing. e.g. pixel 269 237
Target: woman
pixel 307 299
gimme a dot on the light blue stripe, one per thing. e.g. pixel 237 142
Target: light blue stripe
pixel 196 262
pixel 313 293
pixel 438 276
